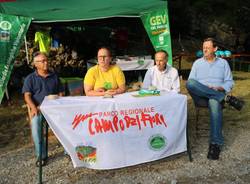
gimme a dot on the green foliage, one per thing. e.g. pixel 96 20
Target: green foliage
pixel 235 13
pixel 221 10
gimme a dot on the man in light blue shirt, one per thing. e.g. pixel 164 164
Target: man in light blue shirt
pixel 215 74
pixel 209 82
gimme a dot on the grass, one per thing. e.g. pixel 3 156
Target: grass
pixel 14 127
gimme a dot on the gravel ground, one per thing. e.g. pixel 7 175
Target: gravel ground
pixel 17 162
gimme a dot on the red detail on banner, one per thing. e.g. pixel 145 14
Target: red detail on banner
pixel 2 1
pixel 81 117
pixel 97 124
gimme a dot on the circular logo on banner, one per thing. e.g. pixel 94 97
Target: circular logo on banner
pixel 140 62
pixel 157 142
pixel 5 25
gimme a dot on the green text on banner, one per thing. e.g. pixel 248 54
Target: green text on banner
pixel 156 23
pixel 12 32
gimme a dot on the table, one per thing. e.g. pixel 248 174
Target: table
pixel 108 133
pixel 129 63
pixel 240 59
pixel 135 63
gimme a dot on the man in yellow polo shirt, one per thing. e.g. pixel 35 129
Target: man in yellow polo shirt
pixel 104 78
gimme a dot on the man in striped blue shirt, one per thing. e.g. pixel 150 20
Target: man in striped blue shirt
pixel 209 82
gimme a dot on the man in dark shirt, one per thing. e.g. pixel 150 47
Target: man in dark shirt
pixel 36 86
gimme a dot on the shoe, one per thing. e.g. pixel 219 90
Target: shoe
pixel 213 152
pixel 44 162
pixel 235 102
pixel 66 154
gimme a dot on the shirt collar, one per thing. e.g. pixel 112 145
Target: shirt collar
pixel 215 59
pixel 164 71
pixel 50 74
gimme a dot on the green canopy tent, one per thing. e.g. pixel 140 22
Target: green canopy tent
pixel 48 11
pixel 75 10
pixel 152 12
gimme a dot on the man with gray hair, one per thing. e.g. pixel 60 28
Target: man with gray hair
pixel 36 86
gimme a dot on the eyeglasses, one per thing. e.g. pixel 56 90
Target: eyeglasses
pixel 103 57
pixel 42 61
pixel 38 53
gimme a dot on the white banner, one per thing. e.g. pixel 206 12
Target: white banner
pixel 129 63
pixel 135 63
pixel 103 133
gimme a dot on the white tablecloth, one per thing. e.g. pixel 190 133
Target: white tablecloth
pixel 134 63
pixel 103 133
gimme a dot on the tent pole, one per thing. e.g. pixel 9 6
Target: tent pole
pixel 7 94
pixel 26 50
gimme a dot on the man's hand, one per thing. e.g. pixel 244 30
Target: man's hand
pixel 34 111
pixel 111 92
pixel 100 90
pixel 219 88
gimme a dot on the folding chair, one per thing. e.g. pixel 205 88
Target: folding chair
pixel 199 108
pixel 44 124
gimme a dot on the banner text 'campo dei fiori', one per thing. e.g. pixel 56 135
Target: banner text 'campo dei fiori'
pixel 115 121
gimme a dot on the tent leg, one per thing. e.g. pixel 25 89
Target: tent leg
pixel 40 173
pixel 26 50
pixel 7 93
pixel 188 144
pixel 46 139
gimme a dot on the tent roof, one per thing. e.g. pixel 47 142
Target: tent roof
pixel 75 10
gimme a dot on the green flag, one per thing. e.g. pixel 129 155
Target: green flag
pixel 156 23
pixel 12 32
